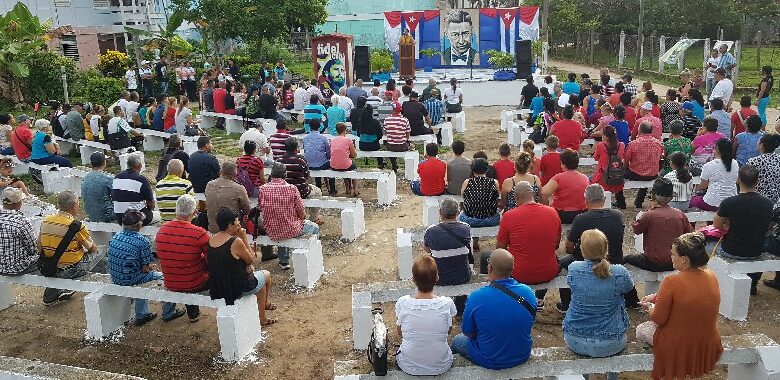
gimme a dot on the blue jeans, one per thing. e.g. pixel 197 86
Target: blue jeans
pixel 142 305
pixel 762 104
pixel 596 348
pixel 309 227
pixel 476 222
pixel 164 87
pixel 53 159
pixel 460 345
pixel 331 181
pixel 415 186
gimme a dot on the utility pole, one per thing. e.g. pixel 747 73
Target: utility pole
pixel 64 78
pixel 640 38
pixel 545 26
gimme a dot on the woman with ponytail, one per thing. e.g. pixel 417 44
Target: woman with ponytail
pixel 523 165
pixel 453 97
pixel 596 321
pixel 718 178
pixel 528 147
pixel 681 178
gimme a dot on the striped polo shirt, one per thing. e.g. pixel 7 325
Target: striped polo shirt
pixel 312 112
pixel 130 190
pixel 396 128
pixel 384 110
pixel 254 168
pixel 297 172
pixel 277 143
pixel 451 255
pixel 168 191
pixel 181 248
pixel 53 228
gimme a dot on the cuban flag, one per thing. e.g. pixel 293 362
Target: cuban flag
pixel 507 28
pixel 392 30
pixel 429 37
pixel 411 21
pixel 528 23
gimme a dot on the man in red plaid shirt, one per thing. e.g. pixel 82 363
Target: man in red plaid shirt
pixel 283 212
pixel 642 159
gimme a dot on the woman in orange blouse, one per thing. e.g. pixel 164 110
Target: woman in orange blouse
pixel 683 326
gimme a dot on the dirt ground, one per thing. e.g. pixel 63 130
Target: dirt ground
pixel 314 328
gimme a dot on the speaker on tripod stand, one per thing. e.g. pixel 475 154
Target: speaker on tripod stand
pixel 362 63
pixel 523 58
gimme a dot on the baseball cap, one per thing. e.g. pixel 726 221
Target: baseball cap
pixel 12 195
pixel 688 106
pixel 648 106
pixel 663 187
pixel 22 118
pixel 97 158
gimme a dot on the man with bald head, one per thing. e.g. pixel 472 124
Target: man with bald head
pixel 497 322
pixel 225 192
pixel 531 232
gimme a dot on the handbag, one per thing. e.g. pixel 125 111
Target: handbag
pixel 48 264
pixel 519 299
pixel 191 130
pixel 377 346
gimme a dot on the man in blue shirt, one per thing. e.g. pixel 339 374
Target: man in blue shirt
pixel 356 91
pixel 129 263
pixel 313 111
pixel 727 60
pixel 317 153
pixel 435 106
pixel 96 187
pixel 496 328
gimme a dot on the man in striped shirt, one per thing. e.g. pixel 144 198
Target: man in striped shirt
pixel 132 190
pixel 181 248
pixel 397 129
pixel 170 188
pixel 384 110
pixel 375 101
pixel 278 139
pixel 435 106
pixel 298 172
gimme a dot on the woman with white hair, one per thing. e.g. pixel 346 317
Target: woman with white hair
pixel 44 150
pixel 335 115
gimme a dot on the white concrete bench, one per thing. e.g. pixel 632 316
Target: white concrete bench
pixel 102 232
pixel 24 369
pixel 307 260
pixel 735 284
pixel 107 308
pixel 385 187
pixel 55 181
pixel 154 140
pixel 22 168
pixel 288 113
pixel 458 121
pixel 190 144
pixel 649 184
pixel 86 148
pixel 447 136
pixel 510 115
pixel 235 123
pixel 411 160
pixel 364 295
pixel 749 356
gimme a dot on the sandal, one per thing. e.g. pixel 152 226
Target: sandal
pixel 270 306
pixel 268 322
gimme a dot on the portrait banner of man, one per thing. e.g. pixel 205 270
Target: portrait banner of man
pixel 332 55
pixel 459 31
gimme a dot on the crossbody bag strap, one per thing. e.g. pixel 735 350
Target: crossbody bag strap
pixel 454 236
pixel 519 299
pixel 73 229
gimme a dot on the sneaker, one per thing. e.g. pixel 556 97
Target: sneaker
pixel 64 296
pixel 176 314
pixel 285 266
pixel 194 319
pixel 559 307
pixel 270 257
pixel 145 319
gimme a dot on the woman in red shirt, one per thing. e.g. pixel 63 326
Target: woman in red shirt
pixel 569 132
pixel 169 122
pixel 609 146
pixel 567 188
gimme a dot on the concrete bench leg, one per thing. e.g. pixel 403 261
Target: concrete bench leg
pixel 105 314
pixel 767 367
pixel 608 199
pixel 386 190
pixel 506 117
pixel 21 168
pixel 410 166
pixel 514 134
pixel 6 296
pixel 362 320
pixel 207 122
pixel 405 254
pixel 123 160
pixel 66 147
pixel 353 223
pixel 639 243
pixel 430 211
pixel 308 264
pixel 234 126
pixel 446 134
pixel 101 237
pixel 85 152
pixel 56 181
pixel 190 147
pixel 153 143
pixel 459 122
pixel 734 290
pixel 239 328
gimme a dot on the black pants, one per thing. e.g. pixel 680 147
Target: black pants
pixel 483 264
pixel 396 148
pixel 640 193
pixel 567 217
pixel 642 262
pixel 331 181
pixel 373 147
pixel 631 298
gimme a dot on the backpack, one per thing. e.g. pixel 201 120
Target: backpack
pixel 56 126
pixel 615 173
pixel 243 179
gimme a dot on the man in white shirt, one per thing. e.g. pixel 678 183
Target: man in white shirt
pixel 132 107
pixel 712 64
pixel 147 79
pixel 314 90
pixel 124 99
pixel 263 149
pixel 118 122
pixel 131 80
pixel 723 88
pixel 344 101
pixel 299 97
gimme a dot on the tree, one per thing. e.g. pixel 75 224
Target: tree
pixel 21 35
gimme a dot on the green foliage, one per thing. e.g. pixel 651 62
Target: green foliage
pixel 21 34
pixel 44 82
pixel 97 89
pixel 305 68
pixel 241 58
pixel 113 64
pixel 251 70
pixel 501 60
pixel 381 60
pixel 429 52
pixel 272 52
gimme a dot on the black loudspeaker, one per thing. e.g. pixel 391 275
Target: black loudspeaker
pixel 523 58
pixel 362 64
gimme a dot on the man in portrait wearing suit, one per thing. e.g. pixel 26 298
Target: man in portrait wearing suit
pixel 459 31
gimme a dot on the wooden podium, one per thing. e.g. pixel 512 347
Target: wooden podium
pixel 406 58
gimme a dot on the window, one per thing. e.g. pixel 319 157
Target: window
pixel 70 48
pixel 62 3
pixel 100 4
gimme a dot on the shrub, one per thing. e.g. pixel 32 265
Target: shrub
pixel 96 89
pixel 272 52
pixel 241 58
pixel 501 60
pixel 381 60
pixel 44 82
pixel 113 64
pixel 250 71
